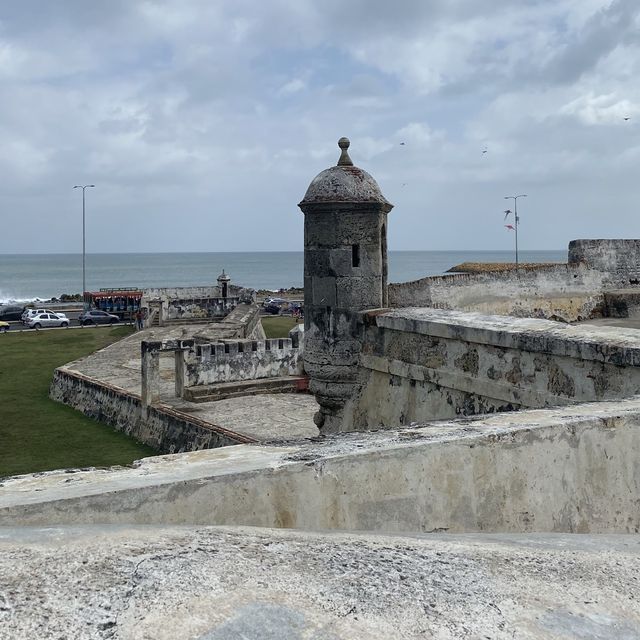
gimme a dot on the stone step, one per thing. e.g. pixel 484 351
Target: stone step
pixel 213 392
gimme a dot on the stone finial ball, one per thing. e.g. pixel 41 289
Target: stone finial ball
pixel 344 143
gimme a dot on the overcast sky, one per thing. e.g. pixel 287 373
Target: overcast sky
pixel 202 122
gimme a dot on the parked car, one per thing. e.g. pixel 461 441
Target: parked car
pixel 269 301
pixel 46 320
pixel 27 314
pixel 4 326
pixel 274 309
pixel 94 316
pixel 11 312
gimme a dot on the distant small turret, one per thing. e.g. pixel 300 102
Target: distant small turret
pixel 223 283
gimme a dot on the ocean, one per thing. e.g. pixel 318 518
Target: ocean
pixel 43 276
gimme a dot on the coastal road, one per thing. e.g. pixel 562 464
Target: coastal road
pixel 16 326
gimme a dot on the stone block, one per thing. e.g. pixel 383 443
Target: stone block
pixel 317 262
pixel 359 293
pixel 324 292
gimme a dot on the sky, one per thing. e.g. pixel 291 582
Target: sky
pixel 202 122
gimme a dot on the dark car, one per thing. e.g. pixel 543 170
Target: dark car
pixel 274 309
pixel 11 312
pixel 97 317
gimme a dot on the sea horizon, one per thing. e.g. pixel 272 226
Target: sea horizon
pixel 42 276
pixel 123 253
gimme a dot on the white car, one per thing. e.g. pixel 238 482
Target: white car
pixel 271 300
pixel 32 313
pixel 47 320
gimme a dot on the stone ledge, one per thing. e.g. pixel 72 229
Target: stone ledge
pixel 586 342
pixel 541 470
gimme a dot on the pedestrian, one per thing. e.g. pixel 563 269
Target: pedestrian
pixel 139 324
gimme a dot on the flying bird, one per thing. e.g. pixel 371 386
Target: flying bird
pixel 402 144
pixel 485 150
pixel 627 118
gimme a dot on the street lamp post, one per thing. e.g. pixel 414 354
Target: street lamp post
pixel 515 214
pixel 84 282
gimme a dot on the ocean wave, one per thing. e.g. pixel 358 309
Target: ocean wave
pixel 10 298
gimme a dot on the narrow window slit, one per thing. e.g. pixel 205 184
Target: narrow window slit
pixel 355 255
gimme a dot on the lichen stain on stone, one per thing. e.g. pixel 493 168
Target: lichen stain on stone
pixel 514 375
pixel 604 382
pixel 469 362
pixel 560 384
pixel 493 373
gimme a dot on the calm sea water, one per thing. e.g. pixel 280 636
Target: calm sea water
pixel 27 277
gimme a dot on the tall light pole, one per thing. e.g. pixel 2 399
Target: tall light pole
pixel 84 282
pixel 515 213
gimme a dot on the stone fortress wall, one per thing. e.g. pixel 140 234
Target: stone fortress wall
pixel 160 426
pixel 618 258
pixel 464 347
pixel 567 293
pixel 140 412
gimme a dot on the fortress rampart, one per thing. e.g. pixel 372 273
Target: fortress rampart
pixel 560 292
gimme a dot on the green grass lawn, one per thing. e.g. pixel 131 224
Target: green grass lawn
pixel 37 434
pixel 278 326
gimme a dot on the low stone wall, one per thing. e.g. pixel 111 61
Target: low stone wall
pixel 197 293
pixel 565 470
pixel 622 303
pixel 619 259
pixel 558 292
pixel 194 303
pixel 200 309
pixel 422 364
pixel 163 428
pixel 243 322
pixel 230 361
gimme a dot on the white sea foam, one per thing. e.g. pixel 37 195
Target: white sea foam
pixel 7 297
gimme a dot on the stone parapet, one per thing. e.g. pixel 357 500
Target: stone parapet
pixel 557 470
pixel 419 364
pixel 559 292
pixel 235 360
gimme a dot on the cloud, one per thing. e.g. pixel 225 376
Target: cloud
pixel 200 121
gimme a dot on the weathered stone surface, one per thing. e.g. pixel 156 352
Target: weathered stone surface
pixel 432 364
pixel 622 303
pixel 618 258
pixel 343 183
pixel 254 584
pixel 243 360
pixel 558 292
